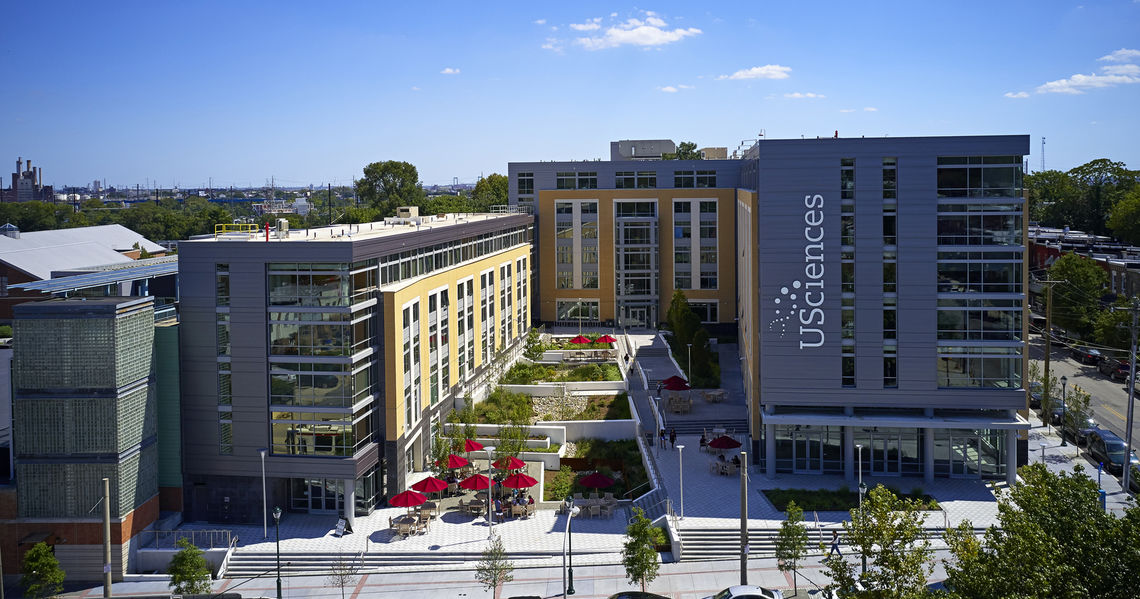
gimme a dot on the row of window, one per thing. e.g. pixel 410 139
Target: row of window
pixel 622 180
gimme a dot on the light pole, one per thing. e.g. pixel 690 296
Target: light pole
pixel 681 472
pixel 490 486
pixel 264 502
pixel 277 527
pixel 862 492
pixel 1064 383
pixel 568 587
pixel 743 517
pixel 690 373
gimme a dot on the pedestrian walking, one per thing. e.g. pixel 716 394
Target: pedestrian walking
pixel 835 544
pixel 662 438
pixel 673 437
pixel 658 389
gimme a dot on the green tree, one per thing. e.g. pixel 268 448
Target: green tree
pixel 1053 198
pixel 1102 184
pixel 678 306
pixel 490 190
pixel 888 532
pixel 495 570
pixel 533 349
pixel 42 576
pixel 390 184
pixel 1110 326
pixel 1124 222
pixel 189 572
pixel 1076 302
pixel 686 150
pixel 792 542
pixel 1077 403
pixel 638 554
pixel 1077 549
pixel 342 574
pixel 702 357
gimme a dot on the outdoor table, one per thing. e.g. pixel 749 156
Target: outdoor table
pixel 430 507
pixel 475 507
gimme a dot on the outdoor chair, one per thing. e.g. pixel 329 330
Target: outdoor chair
pixel 531 508
pixel 404 529
pixel 593 496
pixel 578 498
pixel 607 510
pixel 452 488
pixel 462 504
pixel 609 498
pixel 518 510
pixel 595 511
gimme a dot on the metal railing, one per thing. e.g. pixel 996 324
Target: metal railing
pixel 204 539
pixel 226 560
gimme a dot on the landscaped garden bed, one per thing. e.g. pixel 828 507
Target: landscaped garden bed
pixel 530 374
pixel 560 484
pixel 579 407
pixel 840 500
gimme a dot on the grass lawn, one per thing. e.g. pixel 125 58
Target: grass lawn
pixel 529 374
pixel 842 500
pixel 606 407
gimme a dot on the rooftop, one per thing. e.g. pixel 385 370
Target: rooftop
pixel 39 253
pixel 389 227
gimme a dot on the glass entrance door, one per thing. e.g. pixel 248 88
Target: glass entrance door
pixel 317 495
pixel 636 317
pixel 886 457
pixel 965 456
pixel 807 452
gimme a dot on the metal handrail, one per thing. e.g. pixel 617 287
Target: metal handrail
pixel 629 493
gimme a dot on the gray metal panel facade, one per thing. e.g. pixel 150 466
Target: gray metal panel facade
pixel 728 172
pixel 789 170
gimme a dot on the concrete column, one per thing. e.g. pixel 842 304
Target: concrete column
pixel 1011 456
pixel 350 502
pixel 928 454
pixel 770 450
pixel 849 453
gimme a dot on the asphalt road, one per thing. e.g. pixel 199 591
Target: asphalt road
pixel 1109 398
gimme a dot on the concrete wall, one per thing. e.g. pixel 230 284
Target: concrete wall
pixel 551 389
pixel 158 560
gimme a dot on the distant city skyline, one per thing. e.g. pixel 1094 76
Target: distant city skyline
pixel 132 92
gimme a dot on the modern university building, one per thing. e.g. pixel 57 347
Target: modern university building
pixel 329 356
pixel 877 287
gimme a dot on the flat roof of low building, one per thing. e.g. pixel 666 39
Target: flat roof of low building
pixel 389 227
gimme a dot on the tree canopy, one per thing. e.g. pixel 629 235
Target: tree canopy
pixel 189 572
pixel 686 150
pixel 638 554
pixel 390 184
pixel 491 190
pixel 42 576
pixel 1082 197
pixel 1076 301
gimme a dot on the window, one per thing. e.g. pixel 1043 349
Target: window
pixel 588 208
pixel 890 229
pixel 590 280
pixel 577 309
pixel 588 180
pixel 590 230
pixel 684 231
pixel 565 280
pixel 225 432
pixel 682 207
pixel 636 209
pixel 565 180
pixel 708 207
pixel 624 180
pixel 890 323
pixel 563 207
pixel 221 285
pixel 708 255
pixel 706 179
pixel 847 178
pixel 971 367
pixel 707 311
pixel 890 178
pixel 847 363
pixel 847 229
pixel 684 179
pixel 525 183
pixel 223 332
pixel 682 256
pixel 847 278
pixel 225 386
pixel 564 254
pixel 890 274
pixel 979 176
pixel 847 323
pixel 890 371
pixel 636 284
pixel 646 179
pixel 708 280
pixel 589 255
pixel 636 259
pixel 708 231
pixel 683 281
pixel 636 234
pixel 564 230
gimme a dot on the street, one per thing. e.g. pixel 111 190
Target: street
pixel 1109 401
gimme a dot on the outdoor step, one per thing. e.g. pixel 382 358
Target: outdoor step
pixel 252 564
pixel 724 543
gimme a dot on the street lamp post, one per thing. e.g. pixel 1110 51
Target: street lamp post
pixel 264 501
pixel 490 487
pixel 690 373
pixel 277 527
pixel 1064 383
pixel 743 517
pixel 568 587
pixel 862 492
pixel 681 472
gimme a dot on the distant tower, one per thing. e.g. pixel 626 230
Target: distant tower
pixel 1042 153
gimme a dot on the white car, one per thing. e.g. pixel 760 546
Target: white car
pixel 748 592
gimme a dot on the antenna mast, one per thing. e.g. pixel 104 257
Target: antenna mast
pixel 1042 153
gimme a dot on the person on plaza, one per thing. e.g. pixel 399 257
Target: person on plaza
pixel 835 544
pixel 663 438
pixel 720 457
pixel 704 442
pixel 673 437
pixel 498 507
pixel 529 499
pixel 736 460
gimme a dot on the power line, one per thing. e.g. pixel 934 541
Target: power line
pixel 1134 309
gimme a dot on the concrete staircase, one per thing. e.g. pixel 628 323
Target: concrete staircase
pixel 263 564
pixel 724 543
pixel 735 426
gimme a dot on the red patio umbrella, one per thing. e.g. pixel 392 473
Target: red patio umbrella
pixel 407 499
pixel 596 480
pixel 724 442
pixel 605 339
pixel 456 461
pixel 476 482
pixel 519 481
pixel 472 445
pixel 430 484
pixel 510 463
pixel 674 379
pixel 676 385
pixel 581 339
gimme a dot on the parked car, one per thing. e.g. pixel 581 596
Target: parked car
pixel 1134 479
pixel 1080 434
pixel 636 595
pixel 747 591
pixel 1086 355
pixel 1117 369
pixel 1104 446
pixel 1036 392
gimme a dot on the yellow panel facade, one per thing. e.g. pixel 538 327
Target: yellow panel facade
pixel 406 293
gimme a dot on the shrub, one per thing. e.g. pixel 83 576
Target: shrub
pixel 594 373
pixel 558 486
pixel 503 407
pixel 528 374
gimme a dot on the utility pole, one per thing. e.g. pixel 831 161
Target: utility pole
pixel 1046 387
pixel 107 538
pixel 743 518
pixel 330 215
pixel 1134 308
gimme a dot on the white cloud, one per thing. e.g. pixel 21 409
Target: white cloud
pixel 870 109
pixel 798 95
pixel 1111 76
pixel 669 89
pixel 553 44
pixel 1122 55
pixel 768 71
pixel 590 25
pixel 613 15
pixel 415 88
pixel 846 110
pixel 540 21
pixel 651 32
pixel 683 86
pixel 1016 95
pixel 449 71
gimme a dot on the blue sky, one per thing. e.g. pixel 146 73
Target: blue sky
pixel 311 92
